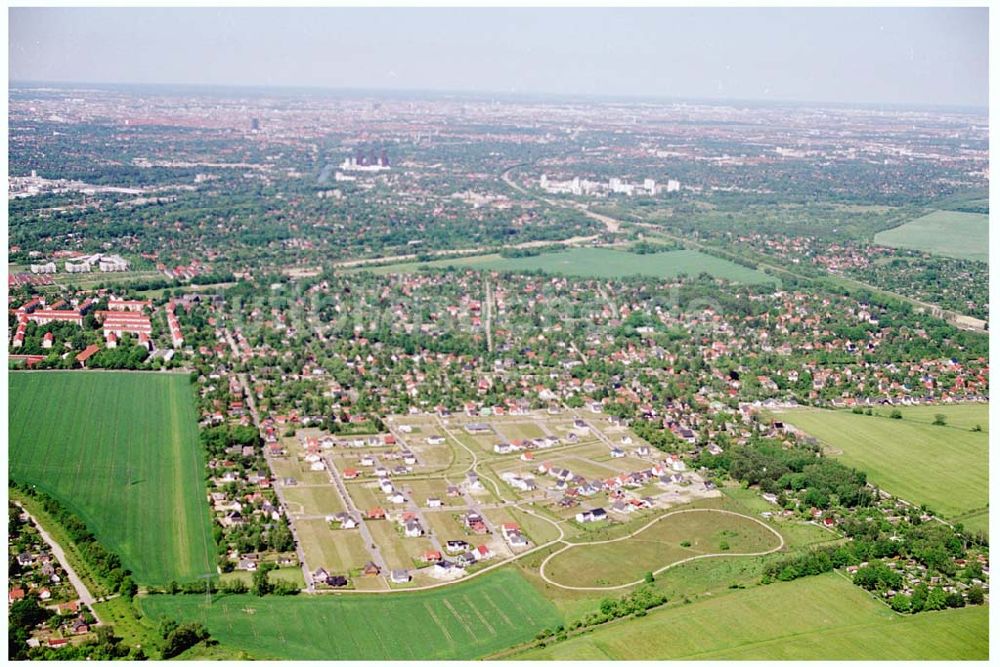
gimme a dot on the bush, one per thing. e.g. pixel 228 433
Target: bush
pixel 936 599
pixel 639 600
pixel 183 637
pixel 900 603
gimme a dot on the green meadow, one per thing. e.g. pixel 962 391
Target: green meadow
pixel 122 451
pixel 944 467
pixel 949 233
pixel 601 263
pixel 675 537
pixel 816 618
pixel 459 622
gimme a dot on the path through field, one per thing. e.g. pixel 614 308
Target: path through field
pixel 571 545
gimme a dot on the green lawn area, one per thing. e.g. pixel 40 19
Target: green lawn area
pixel 311 500
pixel 334 549
pixel 458 622
pixel 603 263
pixel 816 618
pixel 950 233
pixel 292 574
pixel 122 451
pixel 625 561
pixel 944 467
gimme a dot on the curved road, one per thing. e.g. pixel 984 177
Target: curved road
pixel 570 545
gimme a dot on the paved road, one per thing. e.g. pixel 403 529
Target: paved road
pixel 366 535
pixel 489 568
pixel 278 488
pixel 489 316
pixel 611 224
pixel 81 589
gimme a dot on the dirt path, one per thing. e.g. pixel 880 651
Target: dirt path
pixel 571 545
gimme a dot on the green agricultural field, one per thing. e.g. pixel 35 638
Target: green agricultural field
pixel 659 545
pixel 458 622
pixel 817 618
pixel 944 467
pixel 603 263
pixel 122 451
pixel 949 233
pixel 962 415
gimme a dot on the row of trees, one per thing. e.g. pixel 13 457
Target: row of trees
pixel 105 565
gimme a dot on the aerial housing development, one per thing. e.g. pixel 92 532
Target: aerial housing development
pixel 346 375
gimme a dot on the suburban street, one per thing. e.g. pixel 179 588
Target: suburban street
pixel 74 578
pixel 278 488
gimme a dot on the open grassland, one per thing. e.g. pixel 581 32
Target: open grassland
pixel 817 618
pixel 464 621
pixel 602 263
pixel 697 579
pixel 673 538
pixel 121 450
pixel 944 467
pixel 949 233
pixel 961 415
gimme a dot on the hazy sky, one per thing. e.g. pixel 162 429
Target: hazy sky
pixel 924 56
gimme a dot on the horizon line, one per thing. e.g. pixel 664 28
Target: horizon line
pixel 578 96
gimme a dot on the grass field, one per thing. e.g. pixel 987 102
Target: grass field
pixel 625 561
pixel 963 415
pixel 816 618
pixel 944 467
pixel 122 451
pixel 336 550
pixel 950 233
pixel 312 500
pixel 464 621
pixel 603 263
pixel 292 574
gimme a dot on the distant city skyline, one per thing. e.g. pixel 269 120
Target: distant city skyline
pixel 906 56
